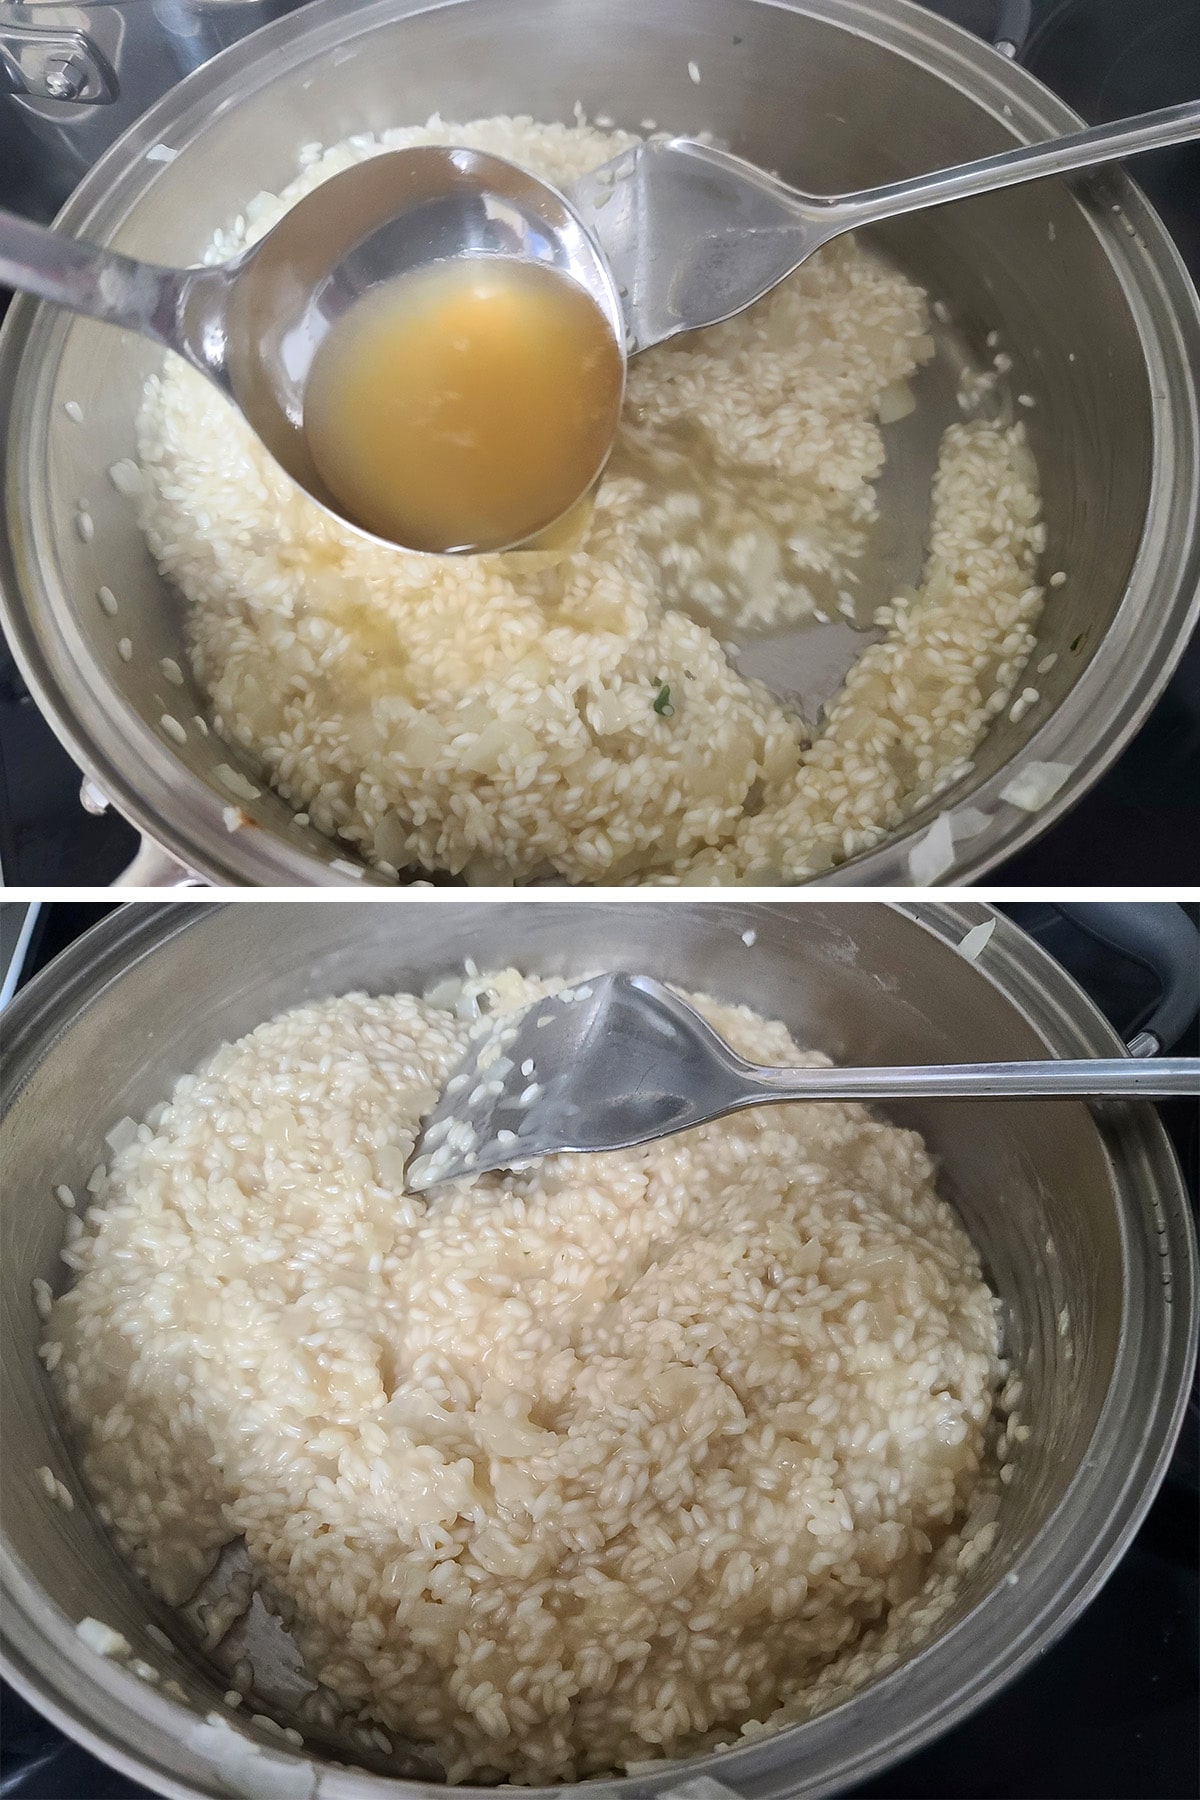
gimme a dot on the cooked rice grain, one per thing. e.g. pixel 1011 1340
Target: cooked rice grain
pixel 609 1460
pixel 495 717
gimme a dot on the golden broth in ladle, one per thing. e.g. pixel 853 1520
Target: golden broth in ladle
pixel 465 406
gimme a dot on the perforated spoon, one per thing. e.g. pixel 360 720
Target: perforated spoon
pixel 694 235
pixel 621 1060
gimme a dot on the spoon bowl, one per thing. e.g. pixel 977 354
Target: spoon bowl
pixel 696 235
pixel 620 1060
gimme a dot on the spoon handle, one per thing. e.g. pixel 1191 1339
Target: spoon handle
pixel 1081 150
pixel 99 283
pixel 1121 1077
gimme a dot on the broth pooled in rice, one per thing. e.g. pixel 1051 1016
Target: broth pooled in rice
pixel 562 1471
pixel 576 717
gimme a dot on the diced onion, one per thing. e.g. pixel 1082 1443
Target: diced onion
pixel 976 939
pixel 968 822
pixel 896 402
pixel 933 854
pixel 102 1638
pixel 1035 785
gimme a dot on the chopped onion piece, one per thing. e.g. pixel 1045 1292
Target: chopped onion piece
pixel 246 1769
pixel 1036 784
pixel 896 402
pixel 444 992
pixel 123 1133
pixel 972 945
pixel 968 822
pixel 933 854
pixel 102 1638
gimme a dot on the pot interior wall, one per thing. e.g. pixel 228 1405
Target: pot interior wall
pixel 781 87
pixel 1032 1181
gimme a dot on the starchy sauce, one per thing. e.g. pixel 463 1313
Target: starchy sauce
pixel 465 406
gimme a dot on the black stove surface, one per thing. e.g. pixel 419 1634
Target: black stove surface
pixel 1108 59
pixel 1110 1712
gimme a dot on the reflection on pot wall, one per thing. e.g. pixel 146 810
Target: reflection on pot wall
pixel 79 75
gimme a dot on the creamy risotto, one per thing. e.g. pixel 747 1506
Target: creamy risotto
pixel 580 718
pixel 623 1457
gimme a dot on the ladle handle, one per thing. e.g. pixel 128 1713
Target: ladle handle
pixel 99 283
pixel 1093 1078
pixel 1081 150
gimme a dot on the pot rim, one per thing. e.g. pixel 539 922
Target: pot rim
pixel 1136 656
pixel 1074 1552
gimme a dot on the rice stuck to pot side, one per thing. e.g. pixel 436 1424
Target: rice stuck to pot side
pixel 612 1460
pixel 530 718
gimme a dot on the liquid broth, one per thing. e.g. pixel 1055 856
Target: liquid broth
pixel 466 406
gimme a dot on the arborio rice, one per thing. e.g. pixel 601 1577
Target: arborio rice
pixel 523 718
pixel 614 1459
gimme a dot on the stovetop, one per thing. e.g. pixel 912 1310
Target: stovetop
pixel 1111 1712
pixel 1108 59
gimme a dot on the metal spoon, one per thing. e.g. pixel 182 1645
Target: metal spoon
pixel 688 234
pixel 621 1060
pixel 253 325
pixel 695 235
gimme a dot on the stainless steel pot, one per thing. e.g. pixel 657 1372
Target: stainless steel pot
pixel 1084 285
pixel 1102 1322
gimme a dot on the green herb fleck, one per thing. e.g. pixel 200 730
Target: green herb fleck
pixel 662 701
pixel 1077 642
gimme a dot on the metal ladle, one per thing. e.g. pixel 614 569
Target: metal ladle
pixel 678 235
pixel 253 324
pixel 620 1060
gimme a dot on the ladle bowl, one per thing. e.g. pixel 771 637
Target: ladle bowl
pixel 253 325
